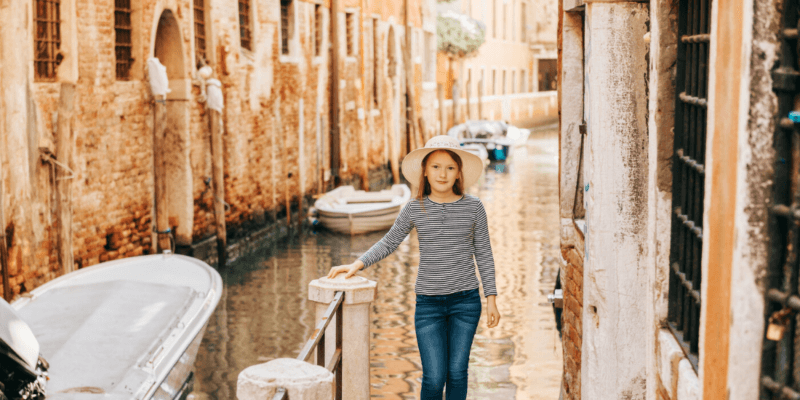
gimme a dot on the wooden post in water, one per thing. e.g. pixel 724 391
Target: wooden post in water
pixel 66 104
pixel 409 69
pixel 456 117
pixel 3 248
pixel 469 93
pixel 217 167
pixel 442 115
pixel 480 99
pixel 159 141
pixel 335 146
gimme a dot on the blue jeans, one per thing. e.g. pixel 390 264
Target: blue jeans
pixel 445 326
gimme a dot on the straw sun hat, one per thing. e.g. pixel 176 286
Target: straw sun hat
pixel 472 166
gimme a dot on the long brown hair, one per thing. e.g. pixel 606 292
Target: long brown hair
pixel 425 187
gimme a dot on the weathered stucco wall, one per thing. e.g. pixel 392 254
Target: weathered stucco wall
pixel 277 122
pixel 616 212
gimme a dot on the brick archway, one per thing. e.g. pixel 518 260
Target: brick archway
pixel 177 172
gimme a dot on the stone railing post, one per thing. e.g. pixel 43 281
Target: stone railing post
pixel 302 380
pixel 359 293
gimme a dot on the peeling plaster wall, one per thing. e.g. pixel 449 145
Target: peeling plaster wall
pixel 613 363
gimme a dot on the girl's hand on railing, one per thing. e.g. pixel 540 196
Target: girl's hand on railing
pixel 492 315
pixel 349 269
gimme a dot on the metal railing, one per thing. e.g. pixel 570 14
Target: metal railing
pixel 318 340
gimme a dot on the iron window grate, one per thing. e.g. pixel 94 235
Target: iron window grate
pixel 780 365
pixel 200 32
pixel 48 39
pixel 123 43
pixel 245 34
pixel 689 174
pixel 285 29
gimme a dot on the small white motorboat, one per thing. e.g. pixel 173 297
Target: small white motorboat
pixel 351 211
pixel 478 150
pixel 497 136
pixel 124 329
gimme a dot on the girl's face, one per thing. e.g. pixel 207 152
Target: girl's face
pixel 441 171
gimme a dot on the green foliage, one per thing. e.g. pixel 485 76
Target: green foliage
pixel 458 35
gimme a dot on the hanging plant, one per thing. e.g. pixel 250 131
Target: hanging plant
pixel 459 36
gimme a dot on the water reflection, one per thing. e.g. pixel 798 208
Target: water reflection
pixel 264 313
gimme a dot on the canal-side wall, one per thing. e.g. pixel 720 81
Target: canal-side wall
pixel 276 121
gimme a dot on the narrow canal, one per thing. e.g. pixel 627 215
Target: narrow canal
pixel 264 313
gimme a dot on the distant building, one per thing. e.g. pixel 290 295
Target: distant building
pixel 679 199
pixel 519 55
pixel 281 146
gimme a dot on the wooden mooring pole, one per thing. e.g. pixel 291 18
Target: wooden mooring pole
pixel 217 157
pixel 3 249
pixel 409 72
pixel 63 177
pixel 159 141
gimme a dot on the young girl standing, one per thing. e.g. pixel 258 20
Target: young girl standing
pixel 452 229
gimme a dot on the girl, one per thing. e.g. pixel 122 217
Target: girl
pixel 452 228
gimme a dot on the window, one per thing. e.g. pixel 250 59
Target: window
pixel 349 26
pixel 688 175
pixel 375 61
pixel 286 25
pixel 48 39
pixel 505 25
pixel 482 82
pixel 245 34
pixel 522 22
pixel 779 353
pixel 430 57
pixel 523 88
pixel 513 24
pixel 200 31
pixel 494 19
pixel 513 81
pixel 494 82
pixel 504 83
pixel 317 30
pixel 123 43
pixel 548 74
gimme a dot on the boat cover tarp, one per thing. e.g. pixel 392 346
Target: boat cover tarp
pixel 94 335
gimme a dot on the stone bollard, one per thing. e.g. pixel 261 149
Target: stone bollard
pixel 302 380
pixel 359 293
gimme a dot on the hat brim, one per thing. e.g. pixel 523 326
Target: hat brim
pixel 471 165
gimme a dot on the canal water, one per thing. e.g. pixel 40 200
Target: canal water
pixel 264 313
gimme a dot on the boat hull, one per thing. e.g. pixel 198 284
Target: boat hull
pixel 356 224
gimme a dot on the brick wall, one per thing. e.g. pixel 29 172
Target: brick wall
pixel 572 327
pixel 275 119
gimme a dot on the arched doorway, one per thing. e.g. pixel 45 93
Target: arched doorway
pixel 168 48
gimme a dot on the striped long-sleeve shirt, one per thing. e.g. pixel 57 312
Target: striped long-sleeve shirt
pixel 450 234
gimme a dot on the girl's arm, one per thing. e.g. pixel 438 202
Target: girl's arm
pixel 402 226
pixel 492 315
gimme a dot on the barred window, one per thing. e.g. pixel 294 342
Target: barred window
pixel 286 28
pixel 245 33
pixel 348 26
pixel 688 174
pixel 780 378
pixel 317 30
pixel 123 44
pixel 48 39
pixel 200 32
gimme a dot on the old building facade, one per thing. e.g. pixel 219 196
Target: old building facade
pixel 678 190
pixel 77 121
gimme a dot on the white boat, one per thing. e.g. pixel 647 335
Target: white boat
pixel 477 149
pixel 124 329
pixel 351 211
pixel 497 136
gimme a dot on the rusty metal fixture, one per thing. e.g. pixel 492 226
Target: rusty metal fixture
pixel 688 187
pixel 317 340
